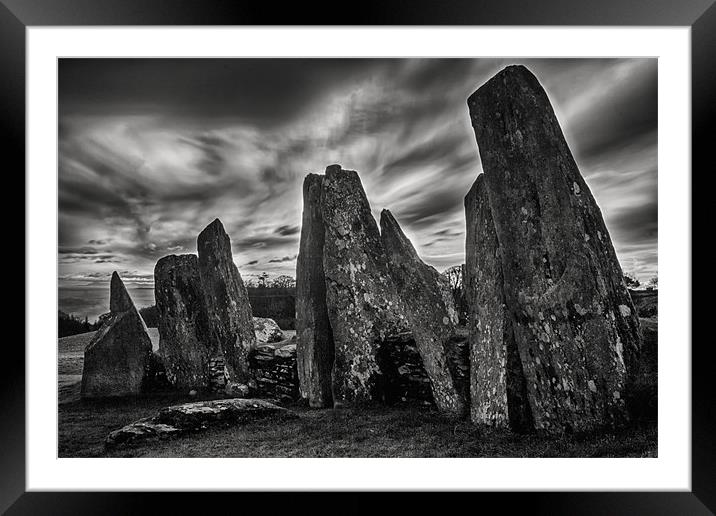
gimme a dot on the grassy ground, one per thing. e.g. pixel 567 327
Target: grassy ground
pixel 646 302
pixel 379 431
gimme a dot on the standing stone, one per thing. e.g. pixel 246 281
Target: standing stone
pixel 498 394
pixel 116 360
pixel 227 302
pixel 184 339
pixel 314 347
pixel 363 306
pixel 574 324
pixel 429 310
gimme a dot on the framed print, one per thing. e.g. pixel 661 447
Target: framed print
pixel 415 250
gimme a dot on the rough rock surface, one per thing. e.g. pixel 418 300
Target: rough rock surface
pixel 184 337
pixel 497 384
pixel 117 359
pixel 574 324
pixel 226 300
pixel 179 419
pixel 363 306
pixel 429 310
pixel 267 330
pixel 314 347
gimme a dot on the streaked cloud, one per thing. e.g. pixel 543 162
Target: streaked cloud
pixel 151 151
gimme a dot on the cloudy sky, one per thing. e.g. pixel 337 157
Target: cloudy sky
pixel 151 151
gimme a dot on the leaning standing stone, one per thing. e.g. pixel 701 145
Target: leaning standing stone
pixel 227 301
pixel 429 310
pixel 184 338
pixel 116 360
pixel 573 320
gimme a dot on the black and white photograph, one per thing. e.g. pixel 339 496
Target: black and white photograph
pixel 357 257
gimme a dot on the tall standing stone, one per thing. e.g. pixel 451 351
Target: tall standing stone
pixel 574 324
pixel 116 361
pixel 314 349
pixel 184 338
pixel 363 306
pixel 498 394
pixel 429 310
pixel 227 302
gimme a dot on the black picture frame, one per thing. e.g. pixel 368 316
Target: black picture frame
pixel 17 15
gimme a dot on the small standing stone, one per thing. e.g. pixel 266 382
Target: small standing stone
pixel 117 359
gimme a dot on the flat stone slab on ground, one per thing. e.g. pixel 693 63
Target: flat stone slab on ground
pixel 188 417
pixel 141 430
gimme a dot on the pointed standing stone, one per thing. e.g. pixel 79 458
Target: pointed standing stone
pixel 119 300
pixel 227 302
pixel 363 306
pixel 429 310
pixel 184 337
pixel 116 360
pixel 497 383
pixel 314 347
pixel 574 324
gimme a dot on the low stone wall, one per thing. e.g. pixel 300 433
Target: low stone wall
pixel 217 376
pixel 458 355
pixel 405 377
pixel 274 371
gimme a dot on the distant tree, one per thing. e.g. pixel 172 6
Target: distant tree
pixel 454 277
pixel 262 279
pixel 653 283
pixel 250 283
pixel 150 314
pixel 283 281
pixel 631 281
pixel 68 324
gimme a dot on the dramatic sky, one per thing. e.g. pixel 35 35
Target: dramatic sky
pixel 151 151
